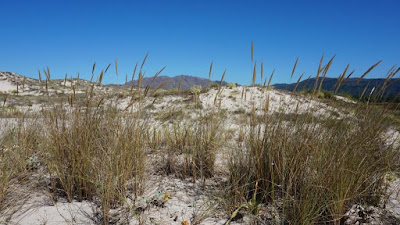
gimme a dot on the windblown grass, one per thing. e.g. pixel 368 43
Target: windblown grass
pixel 191 148
pixel 316 171
pixel 19 157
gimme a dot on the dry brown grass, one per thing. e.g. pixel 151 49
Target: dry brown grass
pixel 316 170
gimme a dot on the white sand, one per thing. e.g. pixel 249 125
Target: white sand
pixel 7 86
pixel 38 211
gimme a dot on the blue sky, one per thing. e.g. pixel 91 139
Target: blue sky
pixel 184 36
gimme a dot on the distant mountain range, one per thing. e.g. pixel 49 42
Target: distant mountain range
pixel 173 82
pixel 351 86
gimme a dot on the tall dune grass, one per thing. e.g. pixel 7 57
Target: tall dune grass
pixel 314 169
pixel 19 157
pixel 94 152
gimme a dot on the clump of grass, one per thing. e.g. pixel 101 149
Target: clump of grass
pixel 93 150
pixel 205 143
pixel 212 85
pixel 313 170
pixel 166 92
pixel 240 111
pixel 191 148
pixel 10 172
pixel 323 94
pixel 177 141
pixel 195 90
pixel 316 170
pixel 171 114
pixel 9 112
pixel 231 85
pixel 18 157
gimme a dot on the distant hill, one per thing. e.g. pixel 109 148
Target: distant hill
pixel 173 82
pixel 350 87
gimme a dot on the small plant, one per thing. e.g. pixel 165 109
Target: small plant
pixel 213 85
pixel 33 162
pixel 196 89
pixel 239 111
pixel 170 114
pixel 326 95
pixel 231 85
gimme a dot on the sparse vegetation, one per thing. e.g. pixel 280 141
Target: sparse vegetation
pixel 103 145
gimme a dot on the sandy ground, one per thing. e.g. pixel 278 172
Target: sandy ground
pixel 6 86
pixel 167 200
pixel 40 211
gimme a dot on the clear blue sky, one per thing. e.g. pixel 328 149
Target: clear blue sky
pixel 68 36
